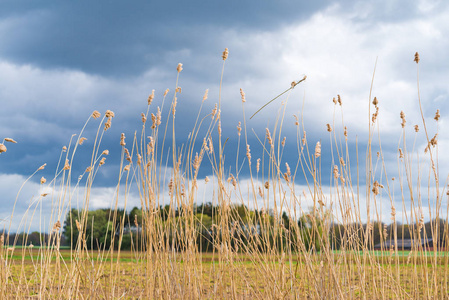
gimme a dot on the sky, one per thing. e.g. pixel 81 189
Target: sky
pixel 59 61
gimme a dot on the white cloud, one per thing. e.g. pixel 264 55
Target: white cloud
pixel 338 55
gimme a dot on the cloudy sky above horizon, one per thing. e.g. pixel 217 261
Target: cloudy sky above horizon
pixel 59 61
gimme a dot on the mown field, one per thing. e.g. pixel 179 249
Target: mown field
pixel 126 276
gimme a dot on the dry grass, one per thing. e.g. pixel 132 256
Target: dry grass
pixel 265 258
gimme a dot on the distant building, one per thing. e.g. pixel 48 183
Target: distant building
pixel 408 244
pixel 129 229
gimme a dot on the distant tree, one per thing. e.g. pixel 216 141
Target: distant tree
pixel 98 228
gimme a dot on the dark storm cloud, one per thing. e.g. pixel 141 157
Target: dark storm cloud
pixel 119 38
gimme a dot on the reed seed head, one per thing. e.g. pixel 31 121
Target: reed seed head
pixel 96 114
pixel 329 128
pixel 402 115
pixel 437 116
pixel 375 190
pixel 288 173
pixel 242 93
pixel 233 181
pixel 283 141
pixel 258 165
pixel 175 102
pixel 214 111
pixel 225 54
pixel 339 100
pixel 107 125
pixel 248 154
pixel 267 185
pixel 88 169
pixel 78 225
pixel 374 117
pixel 43 180
pixel 66 165
pixel 206 179
pixel 421 222
pixel 10 140
pixel 109 114
pixel 105 152
pixel 393 212
pixel 416 128
pixel 318 149
pixel 376 187
pixel 128 157
pixel 3 148
pixel 433 142
pixel 211 145
pixel 196 162
pixel 81 140
pixel 150 146
pixel 158 116
pixel 206 94
pixel 239 128
pixel 144 118
pixel 170 186
pixel 268 135
pixel 183 190
pixel 416 57
pixel 57 226
pixel 336 175
pixel 102 161
pixel 179 68
pixel 151 97
pixel 42 167
pixel 375 102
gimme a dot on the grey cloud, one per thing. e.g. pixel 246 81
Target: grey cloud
pixel 116 38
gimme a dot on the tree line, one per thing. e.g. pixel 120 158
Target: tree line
pixel 310 231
